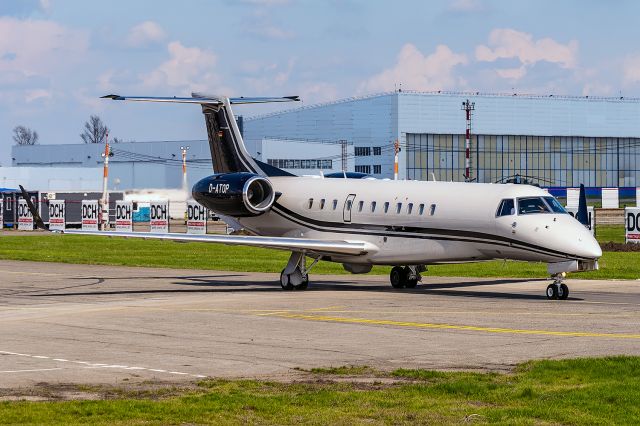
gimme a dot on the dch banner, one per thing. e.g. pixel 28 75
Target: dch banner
pixel 632 224
pixel 196 218
pixel 124 216
pixel 25 219
pixel 159 217
pixel 573 211
pixel 56 215
pixel 90 213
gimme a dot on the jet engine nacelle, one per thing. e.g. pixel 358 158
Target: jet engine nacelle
pixel 235 194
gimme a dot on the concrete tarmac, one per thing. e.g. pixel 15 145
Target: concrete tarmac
pixel 102 324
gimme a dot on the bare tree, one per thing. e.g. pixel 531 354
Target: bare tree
pixel 95 131
pixel 117 140
pixel 25 136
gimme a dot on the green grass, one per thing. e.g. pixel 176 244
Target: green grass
pixel 579 391
pixel 613 233
pixel 135 252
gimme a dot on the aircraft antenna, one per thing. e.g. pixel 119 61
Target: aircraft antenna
pixel 467 107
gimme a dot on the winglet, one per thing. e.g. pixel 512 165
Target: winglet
pixel 34 212
pixel 583 215
pixel 114 97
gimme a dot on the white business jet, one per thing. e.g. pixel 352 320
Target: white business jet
pixel 365 222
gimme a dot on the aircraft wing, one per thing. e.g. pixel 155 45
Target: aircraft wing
pixel 329 247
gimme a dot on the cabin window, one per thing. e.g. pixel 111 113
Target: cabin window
pixel 530 205
pixel 409 208
pixel 360 206
pixel 373 207
pixel 421 209
pixel 310 202
pixel 555 205
pixel 349 202
pixel 386 206
pixel 398 208
pixel 432 210
pixel 335 204
pixel 322 204
pixel 506 208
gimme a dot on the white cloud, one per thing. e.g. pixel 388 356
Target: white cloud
pixel 631 69
pixel 38 47
pixel 418 72
pixel 37 94
pixel 505 43
pixel 188 68
pixel 267 77
pixel 271 32
pixel 315 92
pixel 466 6
pixel 266 3
pixel 145 33
pixel 45 5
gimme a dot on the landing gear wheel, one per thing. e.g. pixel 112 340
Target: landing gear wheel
pixel 397 277
pixel 552 292
pixel 303 285
pixel 284 281
pixel 563 293
pixel 410 282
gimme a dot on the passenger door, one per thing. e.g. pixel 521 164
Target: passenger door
pixel 348 206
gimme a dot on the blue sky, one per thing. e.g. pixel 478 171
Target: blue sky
pixel 58 56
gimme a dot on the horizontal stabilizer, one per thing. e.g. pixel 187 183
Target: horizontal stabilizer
pixel 203 99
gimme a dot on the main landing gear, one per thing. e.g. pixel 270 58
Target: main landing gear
pixel 405 277
pixel 295 276
pixel 558 289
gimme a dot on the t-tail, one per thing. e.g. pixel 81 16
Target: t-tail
pixel 583 215
pixel 228 152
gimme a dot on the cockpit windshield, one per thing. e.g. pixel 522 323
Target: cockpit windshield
pixel 530 205
pixel 555 205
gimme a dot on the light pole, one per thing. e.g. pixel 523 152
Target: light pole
pixel 104 222
pixel 184 150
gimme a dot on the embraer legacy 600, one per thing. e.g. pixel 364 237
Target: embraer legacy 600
pixel 365 222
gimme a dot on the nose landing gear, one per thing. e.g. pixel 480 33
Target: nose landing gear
pixel 558 289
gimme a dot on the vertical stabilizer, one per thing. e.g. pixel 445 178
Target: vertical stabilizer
pixel 583 215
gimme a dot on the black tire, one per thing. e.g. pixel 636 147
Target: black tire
pixel 303 285
pixel 409 282
pixel 552 292
pixel 397 277
pixel 563 294
pixel 284 281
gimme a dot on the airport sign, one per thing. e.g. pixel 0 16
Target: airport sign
pixel 159 217
pixel 196 218
pixel 632 225
pixel 90 212
pixel 25 219
pixel 124 216
pixel 56 215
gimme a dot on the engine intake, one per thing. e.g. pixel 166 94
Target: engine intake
pixel 235 194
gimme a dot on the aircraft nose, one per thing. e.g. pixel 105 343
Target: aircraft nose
pixel 588 246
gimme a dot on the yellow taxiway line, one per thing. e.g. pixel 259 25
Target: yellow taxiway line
pixel 437 326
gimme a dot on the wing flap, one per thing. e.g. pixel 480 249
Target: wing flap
pixel 356 248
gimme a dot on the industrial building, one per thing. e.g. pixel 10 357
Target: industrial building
pixel 557 141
